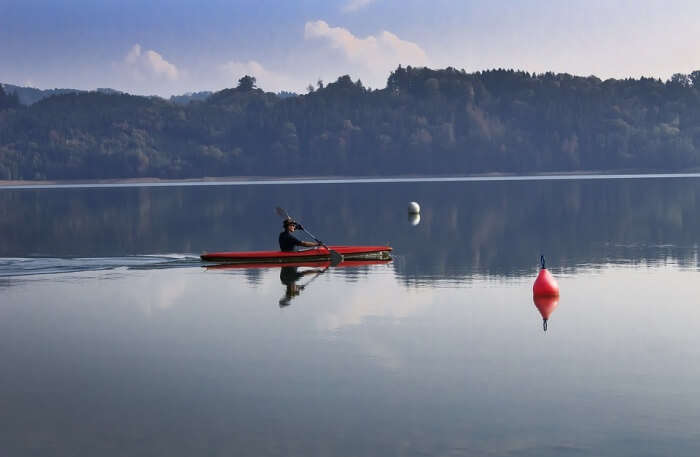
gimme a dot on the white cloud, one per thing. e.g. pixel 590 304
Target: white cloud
pixel 266 79
pixel 379 53
pixel 144 65
pixel 354 5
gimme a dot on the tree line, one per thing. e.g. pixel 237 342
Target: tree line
pixel 424 121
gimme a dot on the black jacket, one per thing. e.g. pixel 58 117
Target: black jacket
pixel 288 242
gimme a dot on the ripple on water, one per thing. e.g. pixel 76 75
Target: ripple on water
pixel 29 266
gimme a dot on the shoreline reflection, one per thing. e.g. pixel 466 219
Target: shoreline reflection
pixel 466 228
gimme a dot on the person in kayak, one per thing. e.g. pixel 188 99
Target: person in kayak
pixel 289 242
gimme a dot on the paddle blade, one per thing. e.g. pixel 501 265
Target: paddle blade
pixel 282 213
pixel 336 258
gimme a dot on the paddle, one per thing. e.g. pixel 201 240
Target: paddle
pixel 336 257
pixel 318 273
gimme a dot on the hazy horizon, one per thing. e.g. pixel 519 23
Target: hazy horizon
pixel 300 92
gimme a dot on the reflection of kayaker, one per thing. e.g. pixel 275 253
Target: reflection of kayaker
pixel 289 277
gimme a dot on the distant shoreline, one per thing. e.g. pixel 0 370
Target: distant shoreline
pixel 253 180
pixel 426 121
pixel 130 181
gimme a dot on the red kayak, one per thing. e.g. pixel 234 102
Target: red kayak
pixel 318 264
pixel 308 255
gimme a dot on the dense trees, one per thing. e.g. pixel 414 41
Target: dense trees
pixel 8 100
pixel 424 122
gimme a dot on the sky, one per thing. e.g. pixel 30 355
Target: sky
pixel 167 47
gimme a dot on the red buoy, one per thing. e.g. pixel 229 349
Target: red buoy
pixel 545 293
pixel 545 284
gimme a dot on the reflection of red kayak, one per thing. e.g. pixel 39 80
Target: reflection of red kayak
pixel 318 264
pixel 320 254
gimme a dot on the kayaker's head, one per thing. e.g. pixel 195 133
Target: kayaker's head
pixel 289 225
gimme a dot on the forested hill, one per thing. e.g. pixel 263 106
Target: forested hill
pixel 424 122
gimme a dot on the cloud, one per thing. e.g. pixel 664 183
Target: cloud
pixel 266 79
pixel 354 5
pixel 149 65
pixel 376 52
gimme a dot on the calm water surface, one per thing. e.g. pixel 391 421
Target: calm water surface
pixel 115 340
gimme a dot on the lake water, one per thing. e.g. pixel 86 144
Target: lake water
pixel 115 340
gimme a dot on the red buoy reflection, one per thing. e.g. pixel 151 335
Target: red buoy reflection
pixel 546 306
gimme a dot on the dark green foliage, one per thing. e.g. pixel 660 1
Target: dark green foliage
pixel 8 100
pixel 424 122
pixel 30 95
pixel 190 97
pixel 286 94
pixel 246 83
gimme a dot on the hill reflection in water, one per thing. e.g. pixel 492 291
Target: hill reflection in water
pixel 466 228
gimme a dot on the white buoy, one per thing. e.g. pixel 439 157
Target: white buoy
pixel 413 208
pixel 414 219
